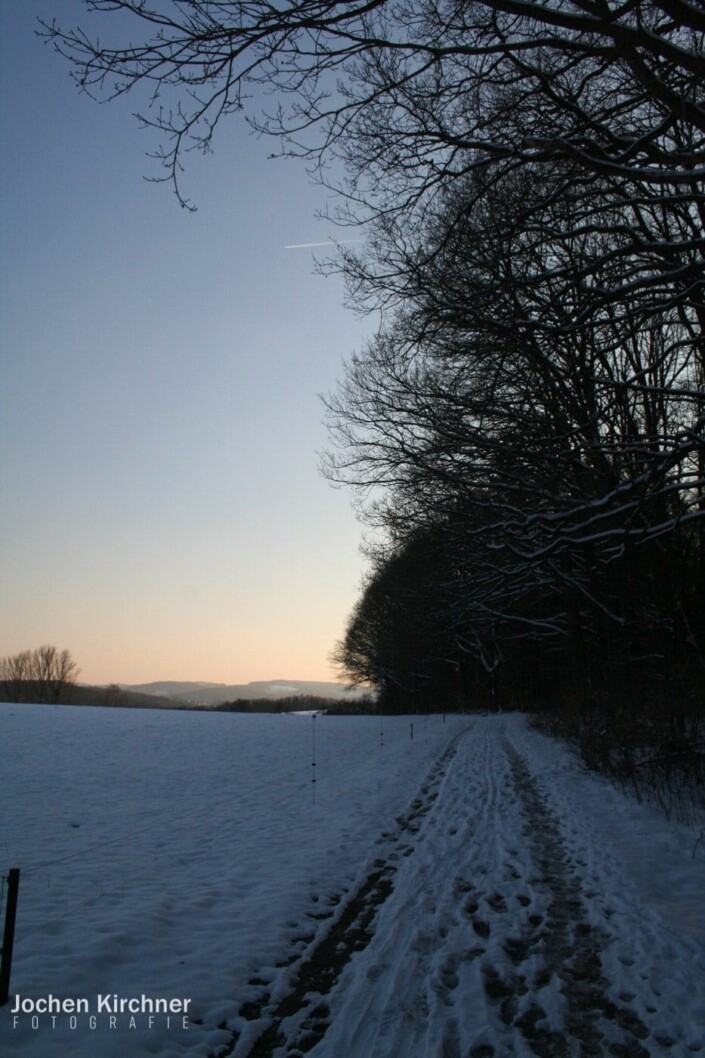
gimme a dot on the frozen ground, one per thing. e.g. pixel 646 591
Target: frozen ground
pixel 468 894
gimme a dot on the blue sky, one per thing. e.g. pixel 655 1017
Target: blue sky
pixel 161 511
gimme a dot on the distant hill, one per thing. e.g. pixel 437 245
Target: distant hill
pixel 216 693
pixel 171 688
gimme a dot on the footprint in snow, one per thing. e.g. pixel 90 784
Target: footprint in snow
pixel 481 927
pixel 497 902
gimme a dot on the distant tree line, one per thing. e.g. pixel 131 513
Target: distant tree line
pixel 42 675
pixel 298 703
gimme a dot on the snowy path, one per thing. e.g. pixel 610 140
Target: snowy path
pixel 502 917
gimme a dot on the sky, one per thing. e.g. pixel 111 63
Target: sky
pixel 161 511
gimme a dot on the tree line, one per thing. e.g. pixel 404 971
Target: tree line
pixel 525 432
pixel 297 703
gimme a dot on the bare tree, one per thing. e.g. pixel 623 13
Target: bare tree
pixel 480 380
pixel 42 675
pixel 15 672
pixel 617 88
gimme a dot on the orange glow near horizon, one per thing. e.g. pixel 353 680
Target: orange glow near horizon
pixel 162 514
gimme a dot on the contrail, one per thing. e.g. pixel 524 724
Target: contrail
pixel 309 245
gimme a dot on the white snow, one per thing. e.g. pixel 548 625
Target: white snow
pixel 187 854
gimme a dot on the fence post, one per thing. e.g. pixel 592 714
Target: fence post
pixel 8 940
pixel 313 758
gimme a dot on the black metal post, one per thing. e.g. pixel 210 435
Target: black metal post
pixel 8 940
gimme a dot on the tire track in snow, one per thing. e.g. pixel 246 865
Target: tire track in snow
pixel 568 946
pixel 295 1021
pixel 416 992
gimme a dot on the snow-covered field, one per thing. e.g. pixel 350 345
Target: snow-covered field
pixel 468 894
